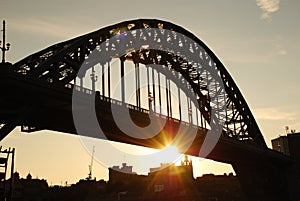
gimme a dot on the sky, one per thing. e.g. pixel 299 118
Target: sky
pixel 257 41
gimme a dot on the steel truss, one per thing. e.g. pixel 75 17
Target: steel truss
pixel 59 65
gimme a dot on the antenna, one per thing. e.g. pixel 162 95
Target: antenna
pixel 91 165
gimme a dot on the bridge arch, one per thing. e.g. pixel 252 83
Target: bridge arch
pixel 59 65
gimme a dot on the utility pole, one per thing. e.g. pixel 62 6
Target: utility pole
pixel 5 47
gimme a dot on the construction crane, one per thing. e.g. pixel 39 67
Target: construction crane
pixel 91 165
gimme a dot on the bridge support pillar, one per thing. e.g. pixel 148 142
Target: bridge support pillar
pixel 267 181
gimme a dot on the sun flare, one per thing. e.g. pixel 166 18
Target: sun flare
pixel 170 154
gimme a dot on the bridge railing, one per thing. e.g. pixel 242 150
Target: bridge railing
pixel 80 89
pixel 120 103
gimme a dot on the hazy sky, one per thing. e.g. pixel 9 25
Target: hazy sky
pixel 257 41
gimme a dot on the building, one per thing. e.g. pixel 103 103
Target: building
pixel 29 188
pixel 34 189
pixel 123 179
pixel 281 144
pixel 289 145
pixel 294 145
pixel 165 183
pixel 171 182
pixel 125 169
pixel 219 187
pixel 171 178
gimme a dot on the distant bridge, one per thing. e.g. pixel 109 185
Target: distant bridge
pixel 37 93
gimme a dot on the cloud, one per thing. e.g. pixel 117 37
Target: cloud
pixel 268 7
pixel 273 113
pixel 47 28
pixel 280 50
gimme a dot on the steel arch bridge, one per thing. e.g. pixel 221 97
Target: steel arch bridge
pixel 59 65
pixel 46 79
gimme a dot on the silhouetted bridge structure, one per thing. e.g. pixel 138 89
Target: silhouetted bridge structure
pixel 37 93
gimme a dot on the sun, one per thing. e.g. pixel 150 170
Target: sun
pixel 170 154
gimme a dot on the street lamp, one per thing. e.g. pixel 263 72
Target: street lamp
pixel 94 79
pixel 150 99
pixel 190 113
pixel 5 47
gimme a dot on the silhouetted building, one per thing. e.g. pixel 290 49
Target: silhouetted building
pixel 123 179
pixel 165 183
pixel 219 187
pixel 171 182
pixel 84 190
pixel 281 144
pixel 169 177
pixel 289 145
pixel 29 189
pixel 294 146
pixel 122 174
pixel 125 168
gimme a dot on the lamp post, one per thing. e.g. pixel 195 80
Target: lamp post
pixel 94 79
pixel 190 113
pixel 150 99
pixel 5 47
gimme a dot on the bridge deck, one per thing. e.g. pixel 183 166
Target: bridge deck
pixel 37 105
